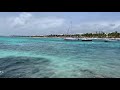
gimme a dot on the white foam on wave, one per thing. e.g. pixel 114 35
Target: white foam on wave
pixel 1 72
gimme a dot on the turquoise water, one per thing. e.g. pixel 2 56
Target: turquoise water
pixel 56 58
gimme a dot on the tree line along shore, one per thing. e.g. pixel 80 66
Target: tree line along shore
pixel 86 35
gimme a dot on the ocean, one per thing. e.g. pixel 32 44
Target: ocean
pixel 25 57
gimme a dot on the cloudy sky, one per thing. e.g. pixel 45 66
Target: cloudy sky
pixel 42 23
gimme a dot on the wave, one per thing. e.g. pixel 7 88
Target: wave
pixel 92 74
pixel 25 67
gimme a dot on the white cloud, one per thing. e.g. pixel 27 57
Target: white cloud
pixel 27 20
pixel 48 22
pixel 97 26
pixel 28 24
pixel 21 20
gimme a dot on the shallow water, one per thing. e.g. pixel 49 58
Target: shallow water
pixel 56 58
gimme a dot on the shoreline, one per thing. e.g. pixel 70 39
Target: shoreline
pixel 71 37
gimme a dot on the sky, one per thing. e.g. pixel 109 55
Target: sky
pixel 44 23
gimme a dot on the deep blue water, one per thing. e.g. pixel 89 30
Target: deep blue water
pixel 54 57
